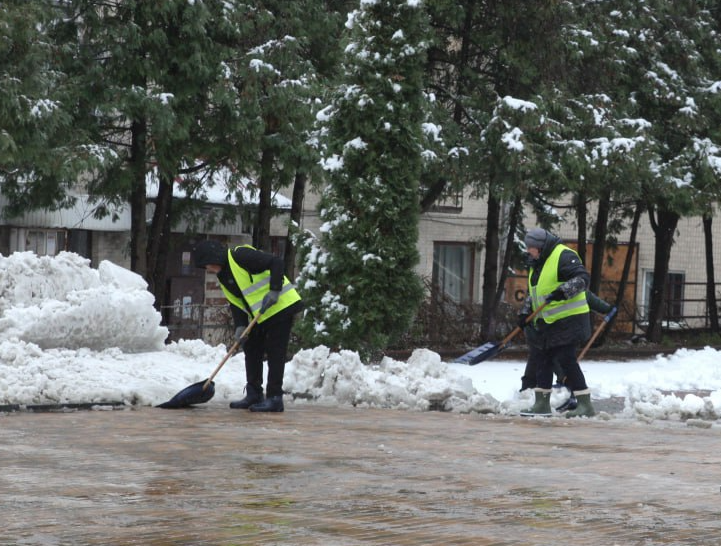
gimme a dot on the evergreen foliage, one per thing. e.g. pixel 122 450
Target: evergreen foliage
pixel 609 103
pixel 358 278
pixel 43 149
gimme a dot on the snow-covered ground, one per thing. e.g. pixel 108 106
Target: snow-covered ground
pixel 73 334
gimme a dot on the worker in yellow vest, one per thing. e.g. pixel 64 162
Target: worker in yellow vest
pixel 529 379
pixel 557 278
pixel 254 284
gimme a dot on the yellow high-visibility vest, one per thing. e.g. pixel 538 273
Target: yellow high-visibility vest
pixel 255 287
pixel 547 283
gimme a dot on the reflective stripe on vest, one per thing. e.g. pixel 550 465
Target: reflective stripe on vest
pixel 547 283
pixel 254 288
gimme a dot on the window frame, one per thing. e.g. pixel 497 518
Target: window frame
pixel 36 240
pixel 464 294
pixel 674 290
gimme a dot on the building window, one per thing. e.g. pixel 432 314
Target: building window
pixel 453 270
pixel 673 296
pixel 43 242
pixel 449 201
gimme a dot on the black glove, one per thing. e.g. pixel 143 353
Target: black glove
pixel 522 318
pixel 269 299
pixel 556 295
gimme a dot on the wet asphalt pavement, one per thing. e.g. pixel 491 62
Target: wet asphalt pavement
pixel 318 475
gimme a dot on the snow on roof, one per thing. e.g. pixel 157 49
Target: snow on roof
pixel 220 187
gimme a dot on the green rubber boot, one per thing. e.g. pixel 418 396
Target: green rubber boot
pixel 584 407
pixel 542 406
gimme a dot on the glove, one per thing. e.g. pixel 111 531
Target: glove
pixel 269 299
pixel 522 318
pixel 556 295
pixel 610 314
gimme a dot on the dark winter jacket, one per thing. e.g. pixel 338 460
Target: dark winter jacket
pixel 254 262
pixel 597 304
pixel 572 330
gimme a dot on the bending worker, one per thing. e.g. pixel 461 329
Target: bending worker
pixel 253 282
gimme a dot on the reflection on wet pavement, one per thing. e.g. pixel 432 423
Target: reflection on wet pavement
pixel 350 476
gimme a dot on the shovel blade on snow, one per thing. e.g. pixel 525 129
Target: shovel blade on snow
pixel 193 394
pixel 479 354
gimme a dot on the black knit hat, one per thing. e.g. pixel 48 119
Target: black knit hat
pixel 209 253
pixel 536 238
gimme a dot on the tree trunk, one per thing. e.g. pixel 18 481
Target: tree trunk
pixel 629 256
pixel 265 212
pixel 626 264
pixel 296 210
pixel 711 302
pixel 599 241
pixel 490 268
pixel 581 214
pixel 138 199
pixel 664 228
pixel 513 218
pixel 159 240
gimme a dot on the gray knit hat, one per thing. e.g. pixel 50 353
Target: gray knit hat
pixel 536 238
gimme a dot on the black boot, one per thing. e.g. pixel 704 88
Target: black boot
pixel 272 403
pixel 253 395
pixel 569 404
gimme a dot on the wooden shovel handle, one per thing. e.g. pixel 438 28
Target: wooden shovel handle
pixel 598 331
pixel 517 329
pixel 232 350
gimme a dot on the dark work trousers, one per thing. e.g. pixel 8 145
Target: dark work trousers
pixel 530 374
pixel 536 356
pixel 565 356
pixel 271 340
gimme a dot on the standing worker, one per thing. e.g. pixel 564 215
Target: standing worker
pixel 528 381
pixel 558 278
pixel 253 282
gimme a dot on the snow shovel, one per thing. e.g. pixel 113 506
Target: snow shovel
pixel 202 391
pixel 599 329
pixel 491 349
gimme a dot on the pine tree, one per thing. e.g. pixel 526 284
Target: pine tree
pixel 288 62
pixel 669 71
pixel 42 151
pixel 358 277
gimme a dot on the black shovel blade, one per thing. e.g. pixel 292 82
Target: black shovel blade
pixel 479 354
pixel 193 394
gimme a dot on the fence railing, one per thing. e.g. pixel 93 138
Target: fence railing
pixel 445 321
pixel 211 323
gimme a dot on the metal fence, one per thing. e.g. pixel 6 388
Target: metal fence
pixel 211 323
pixel 688 311
pixel 440 322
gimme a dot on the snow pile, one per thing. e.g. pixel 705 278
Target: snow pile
pixel 61 302
pixel 422 383
pixel 73 334
pixel 31 375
